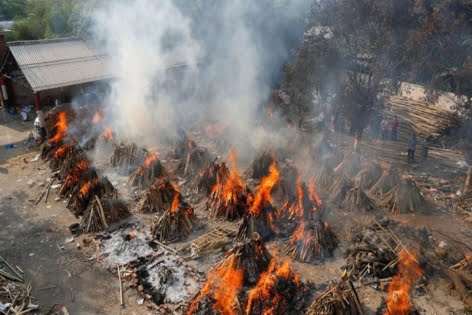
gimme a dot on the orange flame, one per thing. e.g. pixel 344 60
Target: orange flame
pixel 399 289
pixel 84 189
pixel 150 157
pixel 312 191
pixel 97 117
pixel 224 284
pixel 79 168
pixel 175 202
pixel 233 184
pixel 61 128
pixel 264 189
pixel 264 289
pixel 107 134
pixel 60 152
pixel 216 129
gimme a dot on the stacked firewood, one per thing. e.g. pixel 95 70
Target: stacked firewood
pixel 157 198
pixel 127 158
pixel 338 299
pixel 285 188
pixel 358 201
pixel 461 276
pixel 311 238
pixel 259 167
pixel 209 176
pixel 91 185
pixel 372 254
pixel 388 181
pixel 249 280
pixel 176 223
pixel 350 166
pixel 265 222
pixel 193 162
pixel 146 174
pixel 102 212
pixel 368 176
pixel 405 197
pixel 182 145
pixel 340 189
pixel 230 197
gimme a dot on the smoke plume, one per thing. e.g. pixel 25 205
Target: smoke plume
pixel 177 62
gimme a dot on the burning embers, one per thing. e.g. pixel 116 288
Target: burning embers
pixel 262 216
pixel 399 289
pixel 147 173
pixel 229 197
pixel 176 223
pixel 250 281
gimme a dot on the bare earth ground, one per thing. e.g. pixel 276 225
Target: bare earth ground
pixel 34 238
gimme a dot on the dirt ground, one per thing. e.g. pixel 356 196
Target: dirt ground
pixel 33 237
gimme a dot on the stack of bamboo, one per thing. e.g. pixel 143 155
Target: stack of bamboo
pixel 419 117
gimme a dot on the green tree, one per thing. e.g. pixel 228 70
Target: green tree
pixel 10 9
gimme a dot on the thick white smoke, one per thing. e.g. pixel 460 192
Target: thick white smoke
pixel 143 39
pixel 238 46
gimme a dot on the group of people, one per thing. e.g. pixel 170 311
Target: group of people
pixel 389 128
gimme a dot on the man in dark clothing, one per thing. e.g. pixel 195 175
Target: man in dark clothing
pixel 393 128
pixel 424 149
pixel 411 149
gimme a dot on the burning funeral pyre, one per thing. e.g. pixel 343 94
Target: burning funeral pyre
pixel 250 280
pixel 230 197
pixel 147 173
pixel 311 239
pixel 338 299
pixel 182 145
pixel 401 286
pixel 159 197
pixel 176 223
pixel 194 162
pixel 101 213
pixel 89 185
pixel 209 176
pixel 285 188
pixel 262 216
pixel 127 158
pixel 260 166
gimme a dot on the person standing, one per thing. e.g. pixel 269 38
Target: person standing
pixel 411 149
pixel 393 128
pixel 424 149
pixel 384 128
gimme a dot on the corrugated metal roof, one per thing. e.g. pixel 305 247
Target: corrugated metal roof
pixel 49 64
